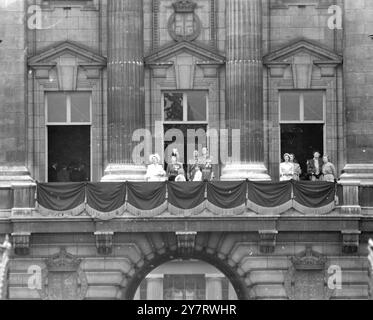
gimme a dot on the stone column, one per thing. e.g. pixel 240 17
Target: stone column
pixel 154 290
pixel 126 96
pixel 214 287
pixel 358 130
pixel 16 183
pixel 244 88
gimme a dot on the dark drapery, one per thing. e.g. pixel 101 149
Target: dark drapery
pixel 186 197
pixel 269 197
pixel 314 197
pixel 146 198
pixel 226 197
pixel 106 197
pixel 61 197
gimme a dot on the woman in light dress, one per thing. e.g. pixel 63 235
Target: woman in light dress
pixel 181 176
pixel 286 169
pixel 155 171
pixel 297 168
pixel 328 170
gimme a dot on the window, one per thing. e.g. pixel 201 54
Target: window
pixel 69 108
pixel 184 287
pixel 302 106
pixel 188 106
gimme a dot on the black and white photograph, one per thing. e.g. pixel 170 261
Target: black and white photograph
pixel 200 151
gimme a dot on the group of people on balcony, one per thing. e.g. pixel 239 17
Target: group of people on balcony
pixel 200 168
pixel 74 172
pixel 318 169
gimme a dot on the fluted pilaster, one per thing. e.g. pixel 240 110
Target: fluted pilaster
pixel 126 107
pixel 244 81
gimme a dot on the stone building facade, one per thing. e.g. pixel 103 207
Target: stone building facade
pixel 80 77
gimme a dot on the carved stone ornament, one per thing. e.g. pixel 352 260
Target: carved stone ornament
pixel 63 279
pixel 21 243
pixel 307 277
pixel 184 24
pixel 186 242
pixel 104 242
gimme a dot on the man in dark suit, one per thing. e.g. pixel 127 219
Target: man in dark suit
pixel 314 167
pixel 52 172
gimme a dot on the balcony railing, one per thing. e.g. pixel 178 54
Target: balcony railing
pixel 150 199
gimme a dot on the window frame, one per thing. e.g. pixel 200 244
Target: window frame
pixel 301 107
pixel 68 110
pixel 185 107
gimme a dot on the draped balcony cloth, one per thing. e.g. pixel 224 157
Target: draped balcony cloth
pixel 106 200
pixel 314 197
pixel 269 197
pixel 61 199
pixel 186 198
pixel 226 198
pixel 146 199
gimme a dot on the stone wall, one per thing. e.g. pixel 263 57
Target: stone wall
pixel 264 275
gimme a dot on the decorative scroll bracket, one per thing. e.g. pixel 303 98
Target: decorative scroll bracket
pixel 104 242
pixel 186 242
pixel 350 241
pixel 267 241
pixel 21 243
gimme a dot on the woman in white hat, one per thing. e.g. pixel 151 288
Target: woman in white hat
pixel 155 171
pixel 286 169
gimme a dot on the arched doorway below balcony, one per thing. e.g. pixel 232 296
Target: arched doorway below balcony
pixel 186 280
pixel 196 277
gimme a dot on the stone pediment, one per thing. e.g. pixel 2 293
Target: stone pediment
pixel 302 58
pixel 301 47
pixel 203 54
pixel 67 49
pixel 65 61
pixel 183 57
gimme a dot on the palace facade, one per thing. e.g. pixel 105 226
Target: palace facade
pixel 102 84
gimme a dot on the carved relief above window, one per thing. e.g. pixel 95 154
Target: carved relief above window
pixel 63 279
pixel 184 24
pixel 307 277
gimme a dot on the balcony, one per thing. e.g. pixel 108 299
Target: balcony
pixel 106 201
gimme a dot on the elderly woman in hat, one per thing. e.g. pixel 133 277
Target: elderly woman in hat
pixel 286 169
pixel 155 171
pixel 328 170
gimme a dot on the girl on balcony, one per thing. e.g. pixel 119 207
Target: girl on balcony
pixel 286 169
pixel 297 168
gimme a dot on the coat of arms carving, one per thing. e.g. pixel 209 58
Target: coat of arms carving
pixel 63 279
pixel 184 24
pixel 307 277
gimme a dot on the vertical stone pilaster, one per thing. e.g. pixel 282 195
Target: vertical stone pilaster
pixel 154 289
pixel 13 95
pixel 126 95
pixel 244 81
pixel 214 287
